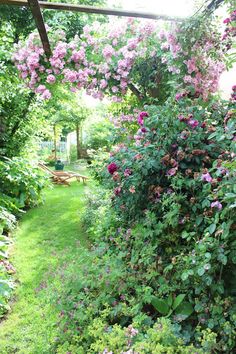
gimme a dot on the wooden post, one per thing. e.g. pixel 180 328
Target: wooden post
pixel 55 141
pixel 35 9
pixel 78 140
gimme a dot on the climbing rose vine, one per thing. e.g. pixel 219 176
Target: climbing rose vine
pixel 103 60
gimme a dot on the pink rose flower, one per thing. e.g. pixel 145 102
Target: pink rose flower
pixel 227 20
pixel 141 117
pixel 51 79
pixel 112 167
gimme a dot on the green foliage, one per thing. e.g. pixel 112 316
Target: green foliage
pixel 100 135
pixel 174 249
pixel 20 113
pixel 21 185
pixel 21 181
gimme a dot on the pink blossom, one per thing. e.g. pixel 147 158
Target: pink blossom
pixel 206 177
pixel 46 95
pixel 132 189
pixel 103 84
pixel 117 190
pixel 172 171
pixel 181 118
pixel 51 79
pixel 178 96
pixel 138 156
pixel 131 331
pixel 114 89
pixel 40 89
pixel 70 75
pixel 193 123
pixel 191 65
pixel 78 55
pixel 132 43
pixel 24 74
pixel 216 204
pixel 123 84
pixel 127 172
pixel 108 51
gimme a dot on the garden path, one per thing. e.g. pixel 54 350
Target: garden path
pixel 48 238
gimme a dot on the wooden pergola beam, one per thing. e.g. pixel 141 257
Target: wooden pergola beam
pixel 93 10
pixel 35 9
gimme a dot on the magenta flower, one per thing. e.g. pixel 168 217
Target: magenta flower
pixel 143 130
pixel 216 204
pixel 178 96
pixel 184 135
pixel 127 172
pixel 117 190
pixel 181 118
pixel 112 167
pixel 193 123
pixel 227 20
pixel 206 177
pixel 141 117
pixel 172 172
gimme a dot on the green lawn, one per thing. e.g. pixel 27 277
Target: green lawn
pixel 48 239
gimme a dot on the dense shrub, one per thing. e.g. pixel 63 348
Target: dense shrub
pixel 20 187
pixel 165 235
pixel 21 181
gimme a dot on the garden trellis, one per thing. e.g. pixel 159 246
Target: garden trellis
pixel 36 6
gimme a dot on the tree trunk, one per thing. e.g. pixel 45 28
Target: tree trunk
pixel 78 140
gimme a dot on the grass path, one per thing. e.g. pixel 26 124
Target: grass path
pixel 48 237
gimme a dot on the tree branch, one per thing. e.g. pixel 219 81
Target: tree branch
pixel 214 4
pixel 135 91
